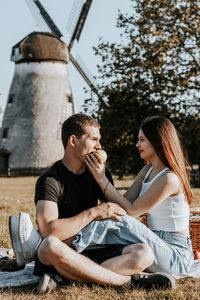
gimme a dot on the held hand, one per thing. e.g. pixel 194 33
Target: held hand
pixel 109 210
pixel 96 166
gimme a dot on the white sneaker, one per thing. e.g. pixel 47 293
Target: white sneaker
pixel 14 236
pixel 29 237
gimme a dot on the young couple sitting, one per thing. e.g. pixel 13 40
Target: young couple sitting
pixel 81 241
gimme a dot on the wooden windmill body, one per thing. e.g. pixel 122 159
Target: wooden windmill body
pixel 39 100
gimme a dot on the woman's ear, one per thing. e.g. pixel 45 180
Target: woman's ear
pixel 73 141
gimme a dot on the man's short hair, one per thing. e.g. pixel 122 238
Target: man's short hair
pixel 75 125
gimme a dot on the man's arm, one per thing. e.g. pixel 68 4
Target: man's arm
pixel 49 224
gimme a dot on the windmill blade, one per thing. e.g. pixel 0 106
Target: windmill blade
pixel 80 23
pixel 37 16
pixel 83 73
pixel 41 16
pixel 74 15
pixel 84 67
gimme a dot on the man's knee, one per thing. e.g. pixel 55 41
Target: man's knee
pixel 145 252
pixel 48 249
pixel 141 254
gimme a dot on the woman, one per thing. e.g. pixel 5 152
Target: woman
pixel 162 189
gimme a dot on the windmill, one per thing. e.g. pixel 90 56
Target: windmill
pixel 76 21
pixel 40 97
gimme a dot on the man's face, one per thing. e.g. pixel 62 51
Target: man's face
pixel 89 141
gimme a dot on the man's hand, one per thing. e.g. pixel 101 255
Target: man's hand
pixel 108 210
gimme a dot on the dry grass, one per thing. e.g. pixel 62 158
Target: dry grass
pixel 16 195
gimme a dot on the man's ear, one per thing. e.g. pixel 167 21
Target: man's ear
pixel 73 141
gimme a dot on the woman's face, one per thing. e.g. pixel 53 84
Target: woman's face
pixel 145 148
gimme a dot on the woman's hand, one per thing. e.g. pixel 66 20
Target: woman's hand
pixel 96 166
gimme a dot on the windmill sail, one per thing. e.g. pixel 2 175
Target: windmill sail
pixel 74 16
pixel 42 16
pixel 83 73
pixel 80 23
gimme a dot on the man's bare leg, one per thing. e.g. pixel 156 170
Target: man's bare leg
pixel 134 259
pixel 78 267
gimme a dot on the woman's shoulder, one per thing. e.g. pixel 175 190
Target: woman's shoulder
pixel 170 180
pixel 167 175
pixel 170 176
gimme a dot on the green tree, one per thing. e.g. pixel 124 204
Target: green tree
pixel 155 70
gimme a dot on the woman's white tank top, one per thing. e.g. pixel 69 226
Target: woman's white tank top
pixel 170 215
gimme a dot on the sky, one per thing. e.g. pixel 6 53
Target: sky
pixel 16 21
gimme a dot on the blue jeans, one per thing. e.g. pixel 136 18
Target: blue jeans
pixel 173 251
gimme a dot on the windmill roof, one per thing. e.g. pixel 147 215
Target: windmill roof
pixel 38 46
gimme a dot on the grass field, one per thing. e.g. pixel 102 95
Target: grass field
pixel 16 195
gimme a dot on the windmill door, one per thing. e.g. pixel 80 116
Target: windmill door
pixel 4 161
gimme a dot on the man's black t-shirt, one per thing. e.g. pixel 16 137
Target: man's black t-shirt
pixel 72 193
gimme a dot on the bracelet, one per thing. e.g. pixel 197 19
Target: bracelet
pixel 106 187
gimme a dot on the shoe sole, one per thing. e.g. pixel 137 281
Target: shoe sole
pixel 28 253
pixel 15 241
pixel 43 284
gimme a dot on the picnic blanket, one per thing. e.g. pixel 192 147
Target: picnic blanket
pixel 25 276
pixel 17 278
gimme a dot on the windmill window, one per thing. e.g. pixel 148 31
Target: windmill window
pixel 5 133
pixel 11 98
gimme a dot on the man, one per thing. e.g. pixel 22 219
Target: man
pixel 66 200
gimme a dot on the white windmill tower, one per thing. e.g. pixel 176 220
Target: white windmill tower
pixel 40 98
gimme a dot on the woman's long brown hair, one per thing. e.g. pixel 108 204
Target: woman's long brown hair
pixel 165 140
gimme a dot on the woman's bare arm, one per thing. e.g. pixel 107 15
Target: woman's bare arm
pixel 166 185
pixel 134 190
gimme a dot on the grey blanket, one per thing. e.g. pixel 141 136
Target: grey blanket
pixel 17 278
